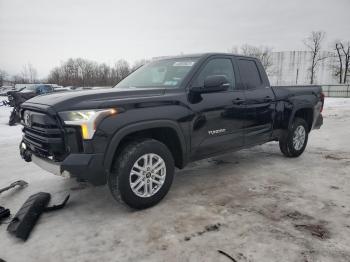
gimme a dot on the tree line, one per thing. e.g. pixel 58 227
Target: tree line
pixel 84 72
pixel 78 72
pixel 338 57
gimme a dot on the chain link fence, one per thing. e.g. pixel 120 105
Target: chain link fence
pixel 336 90
pixel 329 90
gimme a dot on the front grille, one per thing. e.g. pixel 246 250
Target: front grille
pixel 43 135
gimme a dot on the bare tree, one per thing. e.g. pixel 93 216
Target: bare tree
pixel 122 69
pixel 313 43
pixel 138 64
pixel 82 72
pixel 263 53
pixel 340 62
pixel 29 73
pixel 3 76
pixel 17 79
pixel 103 75
pixel 55 76
pixel 234 50
pixel 32 73
pixel 346 53
pixel 24 74
pixel 339 70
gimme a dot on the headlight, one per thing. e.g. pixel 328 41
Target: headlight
pixel 88 120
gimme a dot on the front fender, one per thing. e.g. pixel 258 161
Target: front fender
pixel 140 126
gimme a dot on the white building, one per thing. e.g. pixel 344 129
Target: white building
pixel 292 67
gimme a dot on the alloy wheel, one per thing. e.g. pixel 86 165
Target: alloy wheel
pixel 147 175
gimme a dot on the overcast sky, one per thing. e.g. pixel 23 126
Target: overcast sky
pixel 44 33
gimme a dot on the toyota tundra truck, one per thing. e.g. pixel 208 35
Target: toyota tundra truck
pixel 165 114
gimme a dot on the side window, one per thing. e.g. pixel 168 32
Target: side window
pixel 49 89
pixel 249 73
pixel 39 90
pixel 216 66
pixel 46 89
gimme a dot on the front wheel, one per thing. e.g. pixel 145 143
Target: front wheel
pixel 293 142
pixel 143 173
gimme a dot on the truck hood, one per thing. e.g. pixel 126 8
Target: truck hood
pixel 88 99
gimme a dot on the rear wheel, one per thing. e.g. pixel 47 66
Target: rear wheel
pixel 143 173
pixel 293 142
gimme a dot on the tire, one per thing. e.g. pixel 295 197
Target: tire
pixel 125 169
pixel 292 142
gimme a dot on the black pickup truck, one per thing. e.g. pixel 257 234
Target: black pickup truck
pixel 164 115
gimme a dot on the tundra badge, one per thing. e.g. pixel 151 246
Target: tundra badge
pixel 218 131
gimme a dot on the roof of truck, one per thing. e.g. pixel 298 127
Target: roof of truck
pixel 198 55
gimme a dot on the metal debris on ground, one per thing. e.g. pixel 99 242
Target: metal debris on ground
pixel 227 255
pixel 20 183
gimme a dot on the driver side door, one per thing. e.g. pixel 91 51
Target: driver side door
pixel 219 116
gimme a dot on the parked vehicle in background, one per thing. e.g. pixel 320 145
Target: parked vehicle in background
pixel 16 98
pixel 5 89
pixel 164 115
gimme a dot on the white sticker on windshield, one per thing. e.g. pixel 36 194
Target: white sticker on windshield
pixel 170 83
pixel 184 63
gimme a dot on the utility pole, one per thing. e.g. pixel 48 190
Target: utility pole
pixel 296 79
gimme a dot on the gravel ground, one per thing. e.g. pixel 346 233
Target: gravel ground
pixel 255 205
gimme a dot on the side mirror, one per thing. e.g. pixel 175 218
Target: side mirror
pixel 212 84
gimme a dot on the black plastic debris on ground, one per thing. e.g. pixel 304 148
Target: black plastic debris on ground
pixel 315 230
pixel 23 222
pixel 4 213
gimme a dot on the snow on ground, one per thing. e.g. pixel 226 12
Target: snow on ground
pixel 7 133
pixel 254 204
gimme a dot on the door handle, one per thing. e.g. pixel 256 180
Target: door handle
pixel 238 101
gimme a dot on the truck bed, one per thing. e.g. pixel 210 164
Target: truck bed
pixel 282 92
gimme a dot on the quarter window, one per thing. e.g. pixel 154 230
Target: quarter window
pixel 249 73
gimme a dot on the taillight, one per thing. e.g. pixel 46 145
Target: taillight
pixel 322 100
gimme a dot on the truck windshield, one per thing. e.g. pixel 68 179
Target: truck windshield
pixel 162 73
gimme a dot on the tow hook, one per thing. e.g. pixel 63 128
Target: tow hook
pixel 25 153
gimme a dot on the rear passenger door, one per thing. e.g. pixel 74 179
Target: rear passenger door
pixel 259 101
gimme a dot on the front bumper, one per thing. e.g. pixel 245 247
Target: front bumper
pixel 50 166
pixel 81 166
